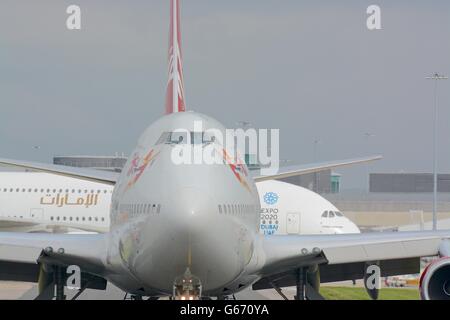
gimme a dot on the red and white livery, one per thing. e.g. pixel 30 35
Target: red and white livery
pixel 175 100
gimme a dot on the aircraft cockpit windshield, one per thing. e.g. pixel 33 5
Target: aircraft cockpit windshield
pixel 184 137
pixel 332 214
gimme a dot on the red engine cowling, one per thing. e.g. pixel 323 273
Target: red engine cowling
pixel 435 280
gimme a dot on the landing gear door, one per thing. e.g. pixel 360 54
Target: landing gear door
pixel 293 223
pixel 37 214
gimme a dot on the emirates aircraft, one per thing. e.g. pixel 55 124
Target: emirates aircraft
pixel 43 202
pixel 191 247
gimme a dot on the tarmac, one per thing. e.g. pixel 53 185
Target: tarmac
pixel 28 291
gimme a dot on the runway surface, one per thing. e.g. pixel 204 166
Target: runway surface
pixel 28 291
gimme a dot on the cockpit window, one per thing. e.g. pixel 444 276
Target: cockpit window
pixel 196 137
pixel 339 214
pixel 331 214
pixel 165 136
pixel 209 137
pixel 178 138
pixel 184 137
pixel 325 214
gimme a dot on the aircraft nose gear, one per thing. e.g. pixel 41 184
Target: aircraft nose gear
pixel 187 287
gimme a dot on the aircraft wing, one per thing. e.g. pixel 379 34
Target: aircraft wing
pixel 342 257
pixel 20 253
pixel 292 171
pixel 101 176
pixel 15 222
pixel 31 225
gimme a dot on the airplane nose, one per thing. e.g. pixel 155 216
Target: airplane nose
pixel 197 237
pixel 351 227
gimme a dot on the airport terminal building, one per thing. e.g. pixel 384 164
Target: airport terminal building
pixel 109 163
pixel 395 199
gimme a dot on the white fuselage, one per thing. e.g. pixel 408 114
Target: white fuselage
pixel 31 202
pixel 290 209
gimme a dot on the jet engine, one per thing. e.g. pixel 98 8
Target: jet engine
pixel 435 280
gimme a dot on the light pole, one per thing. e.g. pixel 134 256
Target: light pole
pixel 436 77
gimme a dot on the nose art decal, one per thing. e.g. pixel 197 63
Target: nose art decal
pixel 138 166
pixel 238 169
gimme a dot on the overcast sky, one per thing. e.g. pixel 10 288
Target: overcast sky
pixel 311 69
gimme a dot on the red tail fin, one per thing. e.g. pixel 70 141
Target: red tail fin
pixel 175 101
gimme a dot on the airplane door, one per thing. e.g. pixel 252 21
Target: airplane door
pixel 293 223
pixel 37 214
